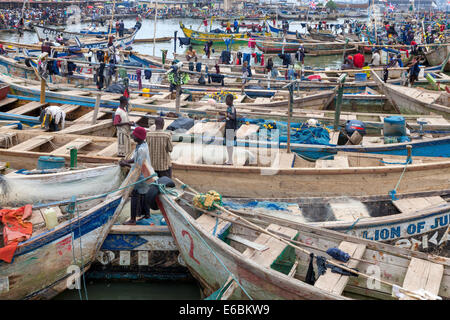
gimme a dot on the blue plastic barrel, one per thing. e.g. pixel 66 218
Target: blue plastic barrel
pixel 49 162
pixel 360 77
pixel 394 126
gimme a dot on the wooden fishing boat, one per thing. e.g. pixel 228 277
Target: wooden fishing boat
pixel 42 265
pixel 51 33
pixel 79 119
pixel 379 218
pixel 247 258
pixel 86 41
pixel 19 88
pixel 289 16
pixel 270 47
pixel 198 37
pixel 437 56
pixel 260 172
pixel 33 186
pixel 322 35
pixel 415 100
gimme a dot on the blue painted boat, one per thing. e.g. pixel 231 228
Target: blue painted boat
pixel 53 260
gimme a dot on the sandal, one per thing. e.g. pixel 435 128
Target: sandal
pixel 130 222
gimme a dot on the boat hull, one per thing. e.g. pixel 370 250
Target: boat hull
pixel 42 265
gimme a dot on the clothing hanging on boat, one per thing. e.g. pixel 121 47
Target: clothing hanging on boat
pixel 310 274
pixel 184 42
pixel 217 78
pixel 246 57
pixel 286 58
pixel 139 79
pixel 338 254
pixel 198 67
pixel 225 57
pixel 147 74
pixel 238 58
pixel 15 230
pixel 336 269
pixel 191 66
pixel 321 267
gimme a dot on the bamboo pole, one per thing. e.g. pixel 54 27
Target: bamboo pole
pixel 154 27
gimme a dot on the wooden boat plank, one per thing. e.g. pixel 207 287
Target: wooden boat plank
pixel 208 129
pixel 423 274
pixel 286 160
pixel 335 282
pixel 109 151
pixel 209 224
pixel 276 247
pixel 75 93
pixel 77 144
pixel 30 106
pixel 247 242
pixel 338 162
pixel 414 204
pixel 32 143
pixel 247 130
pixel 67 108
pixel 7 101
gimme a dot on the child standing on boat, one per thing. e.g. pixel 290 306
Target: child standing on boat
pixel 230 127
pixel 123 127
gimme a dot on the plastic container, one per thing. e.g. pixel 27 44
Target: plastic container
pixel 49 162
pixel 51 218
pixel 394 126
pixel 146 90
pixel 360 77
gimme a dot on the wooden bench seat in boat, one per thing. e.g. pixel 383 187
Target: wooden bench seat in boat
pixel 247 130
pixel 75 92
pixel 260 100
pixel 215 226
pixel 7 101
pixel 211 129
pixel 268 252
pixel 414 204
pixel 142 100
pixel 335 282
pixel 67 108
pixel 163 96
pixel 77 144
pixel 431 121
pixel 337 162
pixel 422 274
pixel 7 139
pixel 109 151
pixel 279 256
pixel 32 143
pixel 28 107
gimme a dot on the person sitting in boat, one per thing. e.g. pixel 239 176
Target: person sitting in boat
pixel 358 60
pixel 52 117
pixel 141 155
pixel 348 64
pixel 191 54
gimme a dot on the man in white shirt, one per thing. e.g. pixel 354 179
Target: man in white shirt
pixel 51 117
pixel 376 58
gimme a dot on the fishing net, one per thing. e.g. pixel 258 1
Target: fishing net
pixel 207 201
pixel 18 190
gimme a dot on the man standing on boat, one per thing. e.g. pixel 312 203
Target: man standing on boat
pixel 121 28
pixel 141 155
pixel 123 127
pixel 230 127
pixel 160 146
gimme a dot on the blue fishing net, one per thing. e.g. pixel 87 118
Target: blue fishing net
pixel 300 133
pixel 279 206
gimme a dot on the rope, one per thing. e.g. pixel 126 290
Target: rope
pixel 352 226
pixel 289 242
pixel 393 192
pixel 212 251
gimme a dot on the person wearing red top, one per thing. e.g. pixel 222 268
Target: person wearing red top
pixel 358 60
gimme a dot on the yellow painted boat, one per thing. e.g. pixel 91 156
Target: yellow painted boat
pixel 198 37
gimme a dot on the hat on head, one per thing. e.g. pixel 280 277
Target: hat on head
pixel 123 99
pixel 140 133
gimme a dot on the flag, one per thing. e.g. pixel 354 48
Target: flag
pixel 384 0
pixel 433 4
pixel 391 7
pixel 312 5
